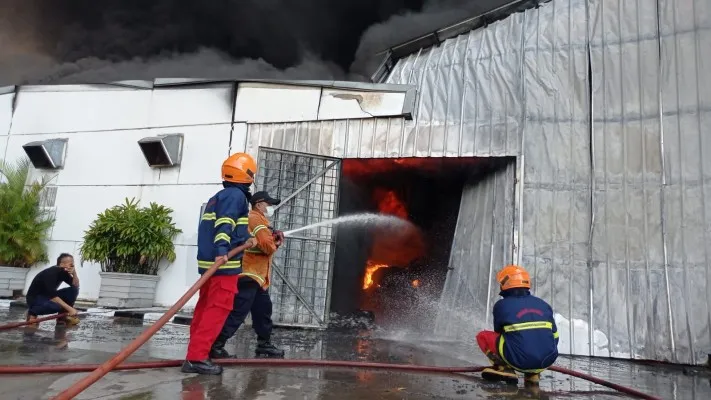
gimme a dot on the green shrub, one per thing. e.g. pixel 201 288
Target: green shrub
pixel 24 225
pixel 130 239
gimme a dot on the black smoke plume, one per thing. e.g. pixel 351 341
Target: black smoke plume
pixel 68 41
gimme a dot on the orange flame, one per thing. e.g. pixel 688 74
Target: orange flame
pixel 369 271
pixel 392 248
pixel 388 203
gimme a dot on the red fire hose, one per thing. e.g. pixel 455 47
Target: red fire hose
pixel 619 388
pixel 13 325
pixel 20 324
pixel 113 364
pixel 104 368
pixel 247 362
pixel 5 370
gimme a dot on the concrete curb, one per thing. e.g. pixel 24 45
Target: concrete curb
pixel 153 316
pixel 146 316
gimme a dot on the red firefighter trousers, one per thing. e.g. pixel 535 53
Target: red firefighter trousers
pixel 487 341
pixel 213 306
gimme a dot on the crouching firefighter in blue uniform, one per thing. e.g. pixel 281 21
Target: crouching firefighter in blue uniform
pixel 525 337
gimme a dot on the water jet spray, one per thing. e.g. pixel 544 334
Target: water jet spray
pixel 363 219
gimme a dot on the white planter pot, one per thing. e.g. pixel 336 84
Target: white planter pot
pixel 127 290
pixel 12 279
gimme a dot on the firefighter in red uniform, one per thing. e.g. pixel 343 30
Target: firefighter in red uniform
pixel 223 226
pixel 525 336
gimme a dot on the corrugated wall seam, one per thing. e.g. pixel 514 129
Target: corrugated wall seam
pixel 588 32
pixel 663 181
pixel 464 93
pixel 418 115
pixel 703 189
pixel 447 102
pixel 517 255
pixel 684 264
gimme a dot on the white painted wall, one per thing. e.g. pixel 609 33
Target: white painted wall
pixel 104 164
pixel 258 102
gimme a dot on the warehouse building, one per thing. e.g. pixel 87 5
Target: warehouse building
pixel 569 138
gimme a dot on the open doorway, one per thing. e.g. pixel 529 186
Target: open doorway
pixel 400 277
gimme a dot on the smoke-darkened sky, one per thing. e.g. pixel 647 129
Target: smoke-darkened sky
pixel 47 41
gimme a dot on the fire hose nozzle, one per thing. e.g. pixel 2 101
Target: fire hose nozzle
pixel 277 235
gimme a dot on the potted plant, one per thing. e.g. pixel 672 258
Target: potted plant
pixel 129 242
pixel 24 225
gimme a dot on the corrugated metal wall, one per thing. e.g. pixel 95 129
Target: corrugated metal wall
pixel 356 138
pixel 684 137
pixel 482 237
pixel 378 138
pixel 616 234
pixel 469 93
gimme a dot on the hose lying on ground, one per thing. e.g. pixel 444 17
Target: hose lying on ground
pixel 270 362
pixel 619 388
pixel 100 370
pixel 14 325
pixel 20 324
pixel 248 362
pixel 104 368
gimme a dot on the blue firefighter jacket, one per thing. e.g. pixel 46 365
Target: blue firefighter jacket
pixel 529 336
pixel 223 226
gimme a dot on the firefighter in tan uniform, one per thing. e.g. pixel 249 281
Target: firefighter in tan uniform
pixel 253 285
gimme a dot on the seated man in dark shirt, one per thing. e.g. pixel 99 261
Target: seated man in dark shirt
pixel 43 297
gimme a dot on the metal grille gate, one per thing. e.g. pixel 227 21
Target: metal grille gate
pixel 302 268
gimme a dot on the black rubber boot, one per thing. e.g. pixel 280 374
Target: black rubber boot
pixel 267 349
pixel 205 367
pixel 218 349
pixel 532 379
pixel 494 359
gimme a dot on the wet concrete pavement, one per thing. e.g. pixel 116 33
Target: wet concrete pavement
pixel 98 338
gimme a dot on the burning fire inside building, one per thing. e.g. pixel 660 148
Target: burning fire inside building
pixel 393 272
pixel 391 248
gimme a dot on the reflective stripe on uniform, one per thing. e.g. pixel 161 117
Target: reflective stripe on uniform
pixel 209 216
pixel 222 236
pixel 256 277
pixel 227 265
pixel 225 220
pixel 255 250
pixel 228 220
pixel 528 325
pixel 523 327
pixel 257 229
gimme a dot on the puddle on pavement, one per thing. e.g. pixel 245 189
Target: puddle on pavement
pixel 96 339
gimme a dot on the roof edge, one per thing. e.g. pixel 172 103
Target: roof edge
pixel 394 53
pixel 184 82
pixel 7 89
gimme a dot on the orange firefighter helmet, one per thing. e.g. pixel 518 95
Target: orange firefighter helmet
pixel 239 168
pixel 513 276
